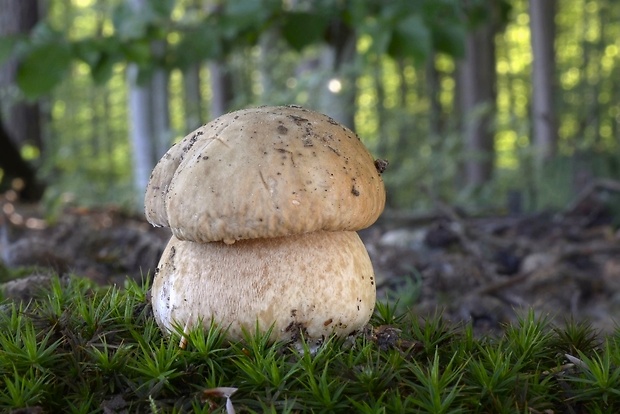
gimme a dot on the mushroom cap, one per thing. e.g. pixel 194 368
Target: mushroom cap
pixel 265 172
pixel 317 283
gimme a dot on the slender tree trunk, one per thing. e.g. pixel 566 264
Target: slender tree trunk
pixel 20 122
pixel 22 119
pixel 141 130
pixel 477 92
pixel 149 115
pixel 383 145
pixel 221 88
pixel 542 26
pixel 337 95
pixel 267 64
pixel 193 98
pixel 159 110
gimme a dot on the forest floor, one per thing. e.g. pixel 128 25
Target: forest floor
pixel 484 270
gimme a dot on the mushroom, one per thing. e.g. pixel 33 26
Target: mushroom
pixel 264 205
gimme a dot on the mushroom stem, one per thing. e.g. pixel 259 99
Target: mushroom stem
pixel 313 284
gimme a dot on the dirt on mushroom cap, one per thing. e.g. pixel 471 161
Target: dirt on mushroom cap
pixel 266 172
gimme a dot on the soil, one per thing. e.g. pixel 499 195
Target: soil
pixel 483 270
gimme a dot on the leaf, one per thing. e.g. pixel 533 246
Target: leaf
pixel 301 29
pixel 242 20
pixel 138 51
pixel 411 37
pixel 201 43
pixel 87 50
pixel 450 39
pixel 102 70
pixel 128 24
pixel 43 68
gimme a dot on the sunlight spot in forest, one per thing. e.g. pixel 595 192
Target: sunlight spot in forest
pixel 30 152
pixel 173 38
pixel 35 223
pixel 82 69
pixel 58 109
pixel 570 78
pixel 523 141
pixel 592 7
pixel 611 50
pixel 523 19
pixel 364 43
pixel 605 131
pixel 8 209
pixel 83 3
pixel 291 83
pixel 503 67
pixel 604 97
pixel 334 85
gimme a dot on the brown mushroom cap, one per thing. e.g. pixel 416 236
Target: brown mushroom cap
pixel 317 283
pixel 265 172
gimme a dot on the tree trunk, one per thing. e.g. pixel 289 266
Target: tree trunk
pixel 221 88
pixel 267 65
pixel 20 122
pixel 149 115
pixel 160 114
pixel 542 26
pixel 141 131
pixel 477 92
pixel 338 92
pixel 192 98
pixel 22 119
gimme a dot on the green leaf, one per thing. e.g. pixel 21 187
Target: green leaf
pixel 411 37
pixel 137 52
pixel 450 39
pixel 301 29
pixel 43 68
pixel 197 45
pixel 101 71
pixel 87 50
pixel 129 24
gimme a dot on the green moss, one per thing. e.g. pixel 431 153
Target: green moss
pixel 84 349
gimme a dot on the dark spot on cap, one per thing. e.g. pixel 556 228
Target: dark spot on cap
pixel 381 165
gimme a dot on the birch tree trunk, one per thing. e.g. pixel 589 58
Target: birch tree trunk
pixel 267 65
pixel 477 91
pixel 159 108
pixel 141 131
pixel 192 98
pixel 542 26
pixel 221 88
pixel 149 115
pixel 337 95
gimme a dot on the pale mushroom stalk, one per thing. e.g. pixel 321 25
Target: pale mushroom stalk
pixel 314 284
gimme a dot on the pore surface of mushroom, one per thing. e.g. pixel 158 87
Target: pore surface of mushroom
pixel 263 204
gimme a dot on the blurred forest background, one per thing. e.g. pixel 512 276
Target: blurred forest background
pixel 500 105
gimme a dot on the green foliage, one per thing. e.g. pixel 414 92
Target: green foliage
pixel 400 29
pixel 79 346
pixel 80 53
